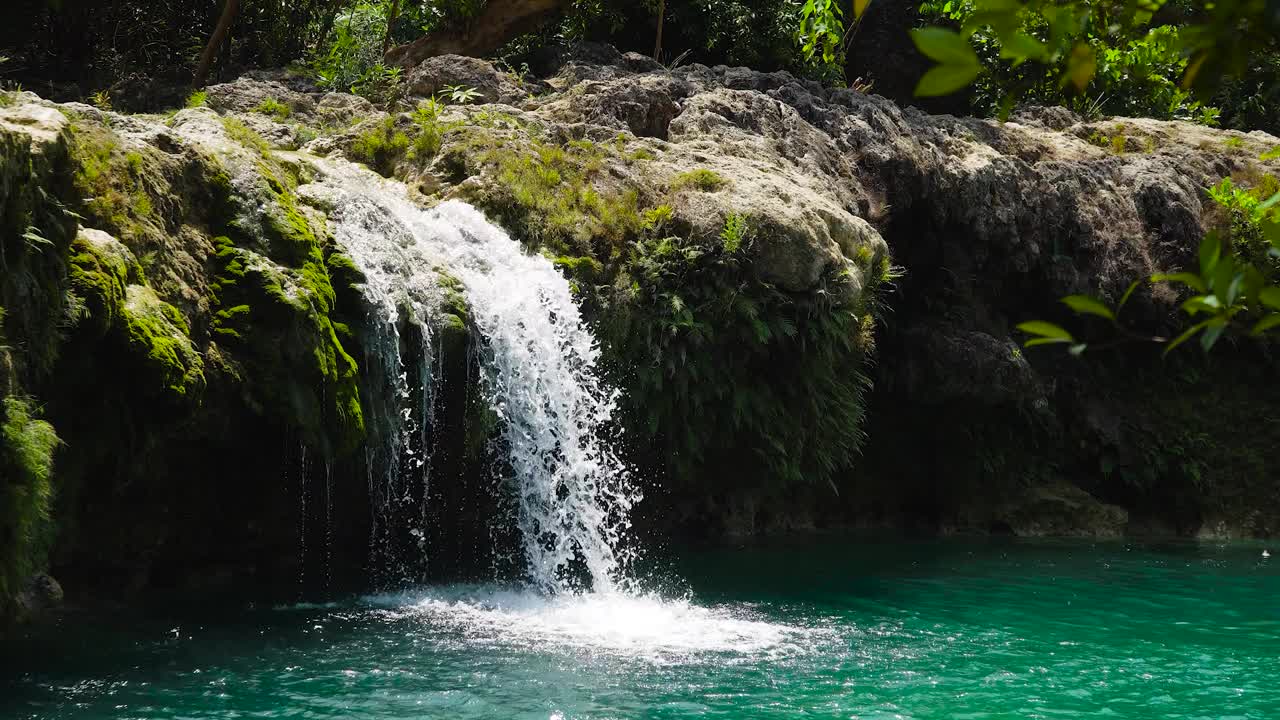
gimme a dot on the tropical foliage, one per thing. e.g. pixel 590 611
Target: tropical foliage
pixel 1144 57
pixel 1232 291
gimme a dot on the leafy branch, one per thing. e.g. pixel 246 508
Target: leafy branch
pixel 1232 295
pixel 1220 43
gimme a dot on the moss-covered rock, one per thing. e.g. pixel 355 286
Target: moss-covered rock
pixel 199 299
pixel 159 338
pixel 101 268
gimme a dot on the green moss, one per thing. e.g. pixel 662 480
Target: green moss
pixel 700 179
pixel 582 269
pixel 559 197
pixel 1117 143
pixel 159 337
pixel 380 147
pixel 276 109
pixel 27 445
pixel 245 135
pixel 199 98
pixel 98 276
pixel 279 313
pixel 115 185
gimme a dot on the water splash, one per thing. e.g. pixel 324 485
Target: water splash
pixel 638 626
pixel 539 371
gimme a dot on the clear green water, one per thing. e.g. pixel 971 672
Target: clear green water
pixel 849 629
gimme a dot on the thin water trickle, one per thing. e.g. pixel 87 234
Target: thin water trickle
pixel 302 516
pixel 538 363
pixel 328 525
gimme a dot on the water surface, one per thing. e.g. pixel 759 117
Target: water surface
pixel 828 629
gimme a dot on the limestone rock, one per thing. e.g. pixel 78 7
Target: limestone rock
pixel 344 110
pixel 435 74
pixel 43 125
pixel 248 95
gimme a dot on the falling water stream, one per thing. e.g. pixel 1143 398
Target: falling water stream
pixel 538 362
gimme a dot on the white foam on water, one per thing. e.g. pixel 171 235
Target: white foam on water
pixel 640 626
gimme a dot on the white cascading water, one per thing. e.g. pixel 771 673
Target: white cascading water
pixel 538 367
pixel 539 370
pixel 401 288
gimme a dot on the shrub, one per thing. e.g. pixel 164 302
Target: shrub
pixel 381 147
pixel 704 332
pixel 27 445
pixel 1244 218
pixel 1138 68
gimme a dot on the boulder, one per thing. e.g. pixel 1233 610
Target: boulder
pixel 248 95
pixel 41 595
pixel 435 74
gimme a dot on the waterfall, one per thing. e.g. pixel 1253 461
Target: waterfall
pixel 400 294
pixel 538 361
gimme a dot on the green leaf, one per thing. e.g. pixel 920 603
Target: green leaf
pixel 1003 22
pixel 1186 335
pixel 1189 279
pixel 1077 349
pixel 946 79
pixel 1212 333
pixel 1265 324
pixel 1201 303
pixel 1271 231
pixel 1270 296
pixel 948 47
pixel 1085 305
pixel 1006 106
pixel 1210 252
pixel 1045 341
pixel 1081 65
pixel 1224 275
pixel 1021 47
pixel 1127 294
pixel 1046 329
pixel 1012 6
pixel 859 7
pixel 1254 283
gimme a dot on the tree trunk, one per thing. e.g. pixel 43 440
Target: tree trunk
pixel 391 21
pixel 229 10
pixel 498 23
pixel 657 43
